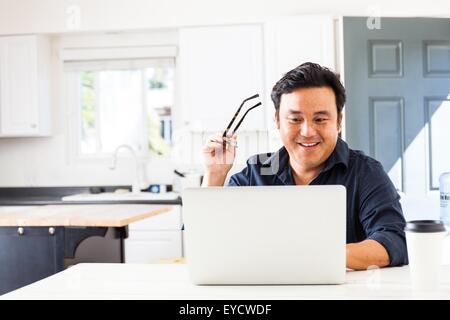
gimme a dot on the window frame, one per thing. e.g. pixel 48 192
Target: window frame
pixel 72 69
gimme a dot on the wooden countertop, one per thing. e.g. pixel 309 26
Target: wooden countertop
pixel 97 215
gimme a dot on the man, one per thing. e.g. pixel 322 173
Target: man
pixel 308 113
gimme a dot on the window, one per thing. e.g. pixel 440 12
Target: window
pixel 123 102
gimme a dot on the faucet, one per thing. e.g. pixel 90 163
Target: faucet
pixel 135 187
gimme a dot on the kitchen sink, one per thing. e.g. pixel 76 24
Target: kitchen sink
pixel 128 196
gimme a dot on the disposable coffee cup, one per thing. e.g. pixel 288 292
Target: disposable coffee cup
pixel 424 239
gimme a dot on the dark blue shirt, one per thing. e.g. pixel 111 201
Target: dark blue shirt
pixel 373 207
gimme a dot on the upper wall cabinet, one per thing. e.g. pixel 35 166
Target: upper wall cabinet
pixel 290 42
pixel 24 86
pixel 218 68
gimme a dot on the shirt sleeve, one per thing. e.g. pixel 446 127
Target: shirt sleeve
pixel 240 178
pixel 381 214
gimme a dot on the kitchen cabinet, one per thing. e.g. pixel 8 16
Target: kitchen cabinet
pixel 287 44
pixel 24 86
pixel 220 66
pixel 38 241
pixel 291 42
pixel 446 250
pixel 155 239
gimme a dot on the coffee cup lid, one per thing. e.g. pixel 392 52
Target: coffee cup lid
pixel 424 226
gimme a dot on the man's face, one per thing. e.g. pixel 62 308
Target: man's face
pixel 309 125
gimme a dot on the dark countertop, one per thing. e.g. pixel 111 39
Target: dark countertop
pixel 32 196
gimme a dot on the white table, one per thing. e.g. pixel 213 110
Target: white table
pixel 170 281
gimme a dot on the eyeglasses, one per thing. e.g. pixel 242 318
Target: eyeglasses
pixel 225 133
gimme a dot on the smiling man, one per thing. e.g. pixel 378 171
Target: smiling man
pixel 308 113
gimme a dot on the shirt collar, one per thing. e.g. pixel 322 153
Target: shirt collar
pixel 340 154
pixel 278 162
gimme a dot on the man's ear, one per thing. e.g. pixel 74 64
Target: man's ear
pixel 339 124
pixel 277 119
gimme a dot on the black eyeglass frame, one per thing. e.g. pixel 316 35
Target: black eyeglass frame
pixel 225 133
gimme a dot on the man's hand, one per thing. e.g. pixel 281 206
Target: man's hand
pixel 366 253
pixel 218 157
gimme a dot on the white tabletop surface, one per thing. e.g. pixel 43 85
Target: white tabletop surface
pixel 171 281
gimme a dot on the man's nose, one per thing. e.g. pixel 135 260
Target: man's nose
pixel 307 129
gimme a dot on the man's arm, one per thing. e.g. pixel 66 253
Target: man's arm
pixel 366 253
pixel 382 220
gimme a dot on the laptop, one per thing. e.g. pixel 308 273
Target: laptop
pixel 265 234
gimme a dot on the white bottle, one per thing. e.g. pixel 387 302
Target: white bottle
pixel 444 191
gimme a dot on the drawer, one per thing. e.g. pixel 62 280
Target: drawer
pixel 165 221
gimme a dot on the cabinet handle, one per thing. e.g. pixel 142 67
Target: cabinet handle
pixel 33 125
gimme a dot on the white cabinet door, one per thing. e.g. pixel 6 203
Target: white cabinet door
pixel 218 68
pixel 24 95
pixel 152 246
pixel 446 251
pixel 155 238
pixel 289 43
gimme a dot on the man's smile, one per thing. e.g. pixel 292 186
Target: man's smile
pixel 308 146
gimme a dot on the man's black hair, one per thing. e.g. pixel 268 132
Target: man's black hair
pixel 309 75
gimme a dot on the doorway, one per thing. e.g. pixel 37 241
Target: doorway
pixel 398 105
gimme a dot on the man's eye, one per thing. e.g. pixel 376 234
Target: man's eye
pixel 321 120
pixel 294 120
